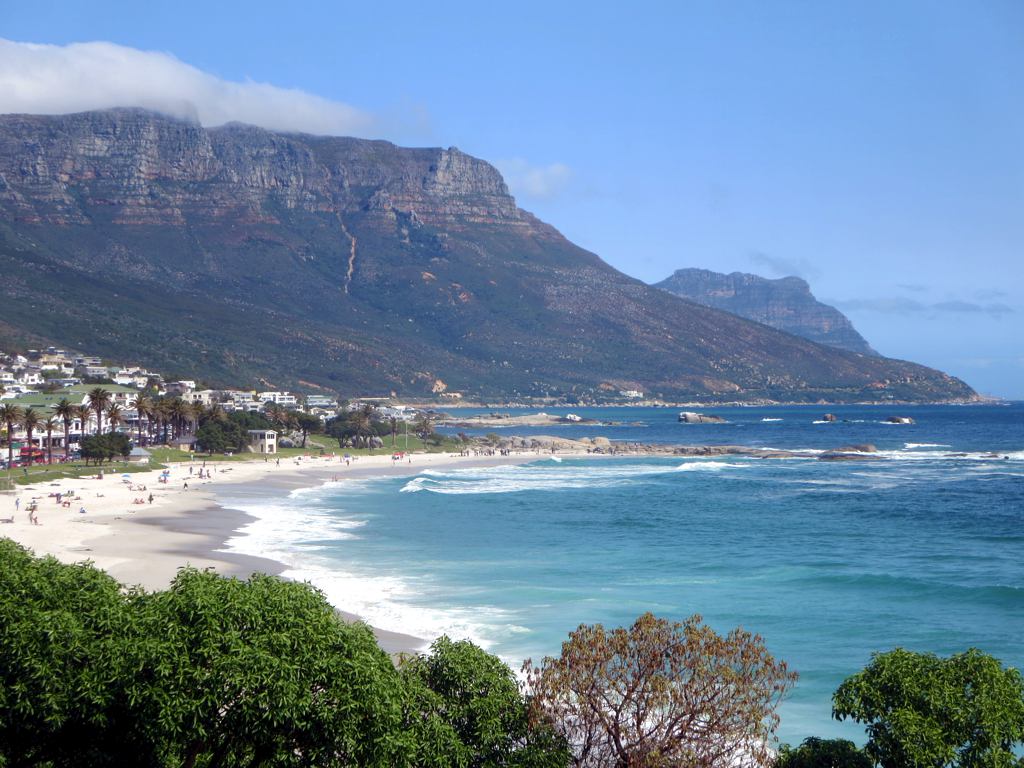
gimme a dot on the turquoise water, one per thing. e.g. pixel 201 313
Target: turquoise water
pixel 827 561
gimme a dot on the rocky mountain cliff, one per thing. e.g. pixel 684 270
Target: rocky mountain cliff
pixel 243 256
pixel 786 303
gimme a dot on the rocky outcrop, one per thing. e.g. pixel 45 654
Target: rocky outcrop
pixel 786 304
pixel 236 254
pixel 689 417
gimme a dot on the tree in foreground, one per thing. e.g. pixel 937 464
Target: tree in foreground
pixel 466 709
pixel 923 711
pixel 662 694
pixel 823 753
pixel 217 672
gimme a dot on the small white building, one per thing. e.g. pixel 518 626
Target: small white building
pixel 262 441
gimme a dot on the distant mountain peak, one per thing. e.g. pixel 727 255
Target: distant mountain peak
pixel 785 303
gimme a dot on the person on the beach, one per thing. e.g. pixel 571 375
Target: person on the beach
pixel 151 498
pixel 17 504
pixel 186 486
pixel 81 510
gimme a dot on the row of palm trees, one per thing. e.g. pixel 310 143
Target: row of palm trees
pixel 161 419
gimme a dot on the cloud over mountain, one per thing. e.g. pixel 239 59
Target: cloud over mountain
pixel 59 79
pixel 537 181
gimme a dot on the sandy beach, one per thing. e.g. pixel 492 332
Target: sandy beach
pixel 111 521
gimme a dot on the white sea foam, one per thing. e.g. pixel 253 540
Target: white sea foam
pixel 770 419
pixel 302 535
pixel 708 466
pixel 544 477
pixel 911 446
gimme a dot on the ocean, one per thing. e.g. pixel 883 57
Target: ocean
pixel 827 561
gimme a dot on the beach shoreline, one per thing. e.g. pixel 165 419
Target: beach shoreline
pixel 187 522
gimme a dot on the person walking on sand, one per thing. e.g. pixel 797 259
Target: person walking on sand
pixel 186 486
pixel 17 504
pixel 151 498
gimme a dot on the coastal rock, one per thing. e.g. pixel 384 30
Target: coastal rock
pixel 840 456
pixel 689 417
pixel 859 448
pixel 900 420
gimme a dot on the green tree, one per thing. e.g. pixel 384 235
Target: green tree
pixel 99 399
pixel 49 425
pixel 823 753
pixel 466 705
pixel 262 672
pixel 30 420
pixel 662 694
pixel 10 415
pixel 65 411
pixel 424 428
pixel 105 447
pixel 923 711
pixel 144 411
pixel 115 415
pixel 221 437
pixel 62 631
pixel 307 423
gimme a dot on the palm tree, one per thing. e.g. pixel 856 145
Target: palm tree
pixel 393 423
pixel 162 414
pixel 144 410
pixel 99 399
pixel 179 412
pixel 10 414
pixel 115 415
pixel 65 411
pixel 82 413
pixel 30 420
pixel 49 425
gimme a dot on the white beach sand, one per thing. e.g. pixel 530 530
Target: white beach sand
pixel 145 544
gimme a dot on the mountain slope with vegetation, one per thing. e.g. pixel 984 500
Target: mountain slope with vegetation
pixel 241 256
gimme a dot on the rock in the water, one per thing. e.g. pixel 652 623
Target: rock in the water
pixel 840 456
pixel 689 417
pixel 900 420
pixel 859 448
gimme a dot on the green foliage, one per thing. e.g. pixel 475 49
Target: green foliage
pixel 250 420
pixel 262 669
pixel 221 437
pixel 217 671
pixel 62 632
pixel 923 711
pixel 105 447
pixel 823 753
pixel 467 705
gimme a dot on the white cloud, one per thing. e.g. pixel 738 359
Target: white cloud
pixel 55 79
pixel 538 181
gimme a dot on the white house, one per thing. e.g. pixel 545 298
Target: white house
pixel 262 441
pixel 284 399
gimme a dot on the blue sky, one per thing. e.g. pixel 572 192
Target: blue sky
pixel 875 148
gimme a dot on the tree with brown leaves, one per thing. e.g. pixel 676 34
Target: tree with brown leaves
pixel 662 694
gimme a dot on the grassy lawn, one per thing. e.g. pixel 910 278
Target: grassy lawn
pixel 55 472
pixel 316 445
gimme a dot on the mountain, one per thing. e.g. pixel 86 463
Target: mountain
pixel 786 303
pixel 244 256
